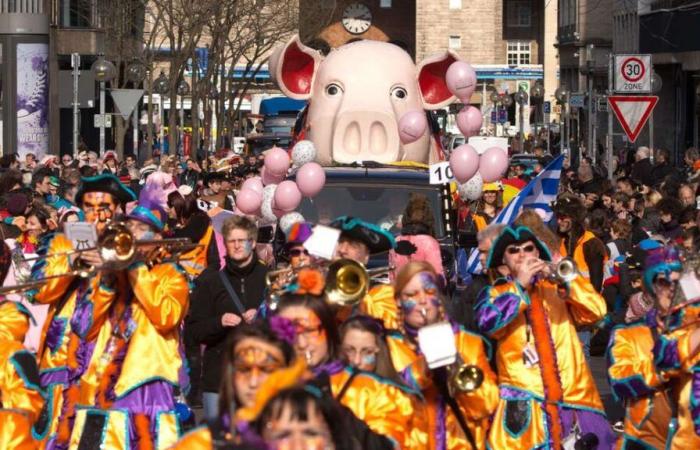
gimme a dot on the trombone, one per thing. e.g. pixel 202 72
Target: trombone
pixel 347 281
pixel 117 247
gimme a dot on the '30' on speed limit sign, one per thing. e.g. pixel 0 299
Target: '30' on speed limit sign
pixel 633 73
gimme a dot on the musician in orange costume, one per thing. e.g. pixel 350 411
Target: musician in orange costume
pixel 547 393
pixel 21 395
pixel 59 355
pixel 455 419
pixel 127 393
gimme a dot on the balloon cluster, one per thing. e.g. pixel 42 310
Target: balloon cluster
pixel 270 195
pixel 461 81
pixel 472 170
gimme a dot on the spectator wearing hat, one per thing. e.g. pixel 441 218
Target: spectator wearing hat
pixel 294 250
pixel 215 192
pixel 9 161
pixel 488 206
pixel 110 163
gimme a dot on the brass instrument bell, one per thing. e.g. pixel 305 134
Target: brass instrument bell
pixel 466 377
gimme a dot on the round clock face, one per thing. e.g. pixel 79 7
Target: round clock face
pixel 357 18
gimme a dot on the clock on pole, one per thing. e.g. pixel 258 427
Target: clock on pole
pixel 357 18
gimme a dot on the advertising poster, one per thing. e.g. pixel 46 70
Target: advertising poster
pixel 32 99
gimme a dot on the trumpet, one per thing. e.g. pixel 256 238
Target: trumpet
pixel 117 247
pixel 563 271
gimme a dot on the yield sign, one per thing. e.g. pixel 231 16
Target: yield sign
pixel 126 100
pixel 632 111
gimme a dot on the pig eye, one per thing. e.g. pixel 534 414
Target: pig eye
pixel 333 90
pixel 399 93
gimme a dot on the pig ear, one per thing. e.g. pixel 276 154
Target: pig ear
pixel 431 80
pixel 293 66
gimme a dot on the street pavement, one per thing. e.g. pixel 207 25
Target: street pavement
pixel 614 410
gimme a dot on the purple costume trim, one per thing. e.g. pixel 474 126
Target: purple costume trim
pixel 54 377
pixel 695 401
pixel 149 399
pixel 441 432
pixel 666 354
pixel 494 315
pixel 630 388
pixel 589 422
pixel 329 368
pixel 55 333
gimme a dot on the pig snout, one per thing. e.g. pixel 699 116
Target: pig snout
pixel 366 136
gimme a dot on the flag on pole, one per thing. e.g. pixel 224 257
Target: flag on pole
pixel 540 193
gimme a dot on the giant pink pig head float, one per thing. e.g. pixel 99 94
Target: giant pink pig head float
pixel 367 99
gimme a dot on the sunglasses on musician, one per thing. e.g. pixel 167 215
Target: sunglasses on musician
pixel 296 252
pixel 515 249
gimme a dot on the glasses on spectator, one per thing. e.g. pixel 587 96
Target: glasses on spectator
pixel 515 249
pixel 296 252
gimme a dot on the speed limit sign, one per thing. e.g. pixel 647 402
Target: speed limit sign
pixel 633 73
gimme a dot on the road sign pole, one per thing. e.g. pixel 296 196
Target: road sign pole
pixel 651 137
pixel 609 149
pixel 591 144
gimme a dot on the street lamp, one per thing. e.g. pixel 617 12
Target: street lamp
pixel 161 87
pixel 104 71
pixel 590 59
pixel 183 89
pixel 536 94
pixel 136 73
pixel 562 94
pixel 656 84
pixel 521 98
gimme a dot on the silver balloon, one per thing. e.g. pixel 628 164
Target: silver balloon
pixel 507 100
pixel 268 216
pixel 537 91
pixel 290 219
pixel 472 189
pixel 521 97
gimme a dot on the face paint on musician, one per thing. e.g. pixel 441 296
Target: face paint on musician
pixel 254 360
pixel 420 301
pixel 99 208
pixel 311 341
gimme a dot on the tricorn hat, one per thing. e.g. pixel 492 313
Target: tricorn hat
pixel 376 239
pixel 108 183
pixel 510 236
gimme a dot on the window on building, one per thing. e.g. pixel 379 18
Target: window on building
pixel 519 14
pixel 455 4
pixel 518 53
pixel 455 42
pixel 385 4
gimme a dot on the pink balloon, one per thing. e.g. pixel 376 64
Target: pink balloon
pixel 469 121
pixel 310 179
pixel 277 162
pixel 253 184
pixel 412 126
pixel 464 162
pixel 493 164
pixel 268 178
pixel 287 196
pixel 461 80
pixel 248 201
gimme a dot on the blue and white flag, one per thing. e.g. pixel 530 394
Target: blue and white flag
pixel 540 193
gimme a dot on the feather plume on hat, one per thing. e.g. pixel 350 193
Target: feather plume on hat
pixel 152 206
